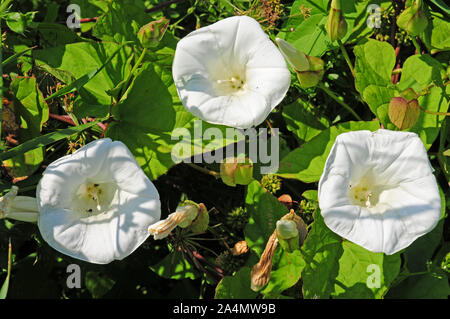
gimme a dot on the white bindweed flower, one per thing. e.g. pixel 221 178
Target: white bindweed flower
pixel 97 204
pixel 21 208
pixel 378 190
pixel 230 73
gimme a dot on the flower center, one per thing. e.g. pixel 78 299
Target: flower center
pixel 230 85
pixel 93 198
pixel 365 193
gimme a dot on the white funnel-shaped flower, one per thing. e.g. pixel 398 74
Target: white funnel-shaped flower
pixel 97 204
pixel 378 190
pixel 230 73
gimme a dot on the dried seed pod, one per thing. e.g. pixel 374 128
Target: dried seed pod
pixel 260 274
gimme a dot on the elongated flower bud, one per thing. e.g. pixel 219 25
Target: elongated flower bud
pixel 182 217
pixel 298 60
pixel 235 171
pixel 413 19
pixel 309 69
pixel 336 25
pixel 151 34
pixel 21 208
pixel 260 274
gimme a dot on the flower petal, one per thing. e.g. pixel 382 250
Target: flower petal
pixel 62 177
pixel 399 156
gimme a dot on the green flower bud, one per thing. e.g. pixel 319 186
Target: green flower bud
pixel 404 113
pixel 236 171
pixel 336 25
pixel 201 222
pixel 413 18
pixel 151 34
pixel 309 69
pixel 287 234
pixel 286 229
pixel 312 77
pixel 298 60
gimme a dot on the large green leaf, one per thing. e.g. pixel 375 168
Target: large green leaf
pixel 121 22
pixel 342 269
pixel 285 274
pixel 34 112
pixel 30 107
pixel 321 251
pixel 302 122
pixel 236 286
pixel 73 61
pixel 264 211
pixel 82 81
pixel 375 61
pixel 54 34
pixel 419 71
pixel 357 265
pixel 436 34
pixel 306 163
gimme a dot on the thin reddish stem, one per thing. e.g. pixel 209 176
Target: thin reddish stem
pixel 63 118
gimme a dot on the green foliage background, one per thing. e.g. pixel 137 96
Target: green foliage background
pixel 63 88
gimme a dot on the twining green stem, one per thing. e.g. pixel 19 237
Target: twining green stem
pixel 416 45
pixel 138 62
pixel 133 70
pixel 346 56
pixel 203 170
pixel 342 103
